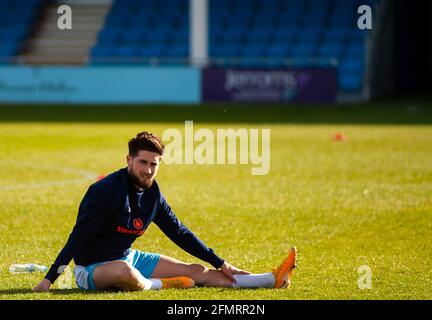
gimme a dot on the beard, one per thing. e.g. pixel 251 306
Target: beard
pixel 140 182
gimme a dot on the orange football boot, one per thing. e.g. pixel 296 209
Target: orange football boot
pixel 177 282
pixel 283 273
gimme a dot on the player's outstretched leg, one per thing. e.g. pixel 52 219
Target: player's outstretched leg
pixel 170 267
pixel 280 277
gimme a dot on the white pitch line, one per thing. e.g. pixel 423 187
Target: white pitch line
pixel 85 176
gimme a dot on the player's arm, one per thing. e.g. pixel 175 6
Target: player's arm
pixel 91 215
pixel 189 242
pixel 177 232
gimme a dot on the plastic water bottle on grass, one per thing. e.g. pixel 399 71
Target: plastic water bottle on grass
pixel 27 268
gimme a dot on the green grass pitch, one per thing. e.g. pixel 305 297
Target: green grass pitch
pixel 365 201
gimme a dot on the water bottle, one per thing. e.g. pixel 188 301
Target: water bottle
pixel 27 268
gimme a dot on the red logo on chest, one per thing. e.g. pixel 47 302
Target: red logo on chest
pixel 138 224
pixel 130 231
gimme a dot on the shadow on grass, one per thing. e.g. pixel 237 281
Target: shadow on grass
pixel 52 291
pixel 401 111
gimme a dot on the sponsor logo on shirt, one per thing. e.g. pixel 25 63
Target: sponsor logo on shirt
pixel 130 231
pixel 137 223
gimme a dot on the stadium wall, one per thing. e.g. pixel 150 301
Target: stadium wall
pixel 98 84
pixel 163 84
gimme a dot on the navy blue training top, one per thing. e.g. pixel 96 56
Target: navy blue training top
pixel 112 214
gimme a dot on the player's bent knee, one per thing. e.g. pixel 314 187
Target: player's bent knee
pixel 124 272
pixel 112 275
pixel 198 272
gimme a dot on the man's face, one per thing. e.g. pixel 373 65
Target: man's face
pixel 143 168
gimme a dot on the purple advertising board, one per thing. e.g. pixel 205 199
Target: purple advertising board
pixel 269 85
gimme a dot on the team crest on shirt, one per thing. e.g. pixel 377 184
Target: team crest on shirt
pixel 138 223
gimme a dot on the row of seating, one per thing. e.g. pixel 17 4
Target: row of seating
pixel 16 19
pixel 177 51
pixel 137 28
pixel 310 32
pixel 307 49
pixel 245 33
pixel 335 49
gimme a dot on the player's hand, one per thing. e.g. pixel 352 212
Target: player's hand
pixel 229 270
pixel 43 286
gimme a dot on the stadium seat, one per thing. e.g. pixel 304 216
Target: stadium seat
pixel 279 50
pixel 8 49
pixel 176 51
pixel 127 51
pixel 304 49
pixel 139 37
pixel 252 50
pixel 16 22
pixel 155 29
pixel 335 34
pixel 102 51
pixel 350 82
pixel 331 49
pixel 355 49
pixel 352 65
pixel 149 51
pixel 284 35
pixel 109 37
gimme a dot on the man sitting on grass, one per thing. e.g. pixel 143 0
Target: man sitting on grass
pixel 118 209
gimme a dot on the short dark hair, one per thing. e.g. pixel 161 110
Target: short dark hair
pixel 145 141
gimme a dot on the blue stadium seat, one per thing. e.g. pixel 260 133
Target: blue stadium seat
pixel 158 36
pixel 130 38
pixel 304 49
pixel 110 38
pixel 357 35
pixel 11 34
pixel 232 38
pixel 313 20
pixel 310 34
pixel 155 28
pixel 8 49
pixel 180 35
pixel 260 33
pixel 343 17
pixel 177 51
pixel 102 51
pixel 279 50
pixel 128 51
pixel 331 49
pixel 283 35
pixel 16 20
pixel 149 51
pixel 265 23
pixel 352 65
pixel 225 51
pixel 335 34
pixel 355 49
pixel 287 22
pixel 350 81
pixel 252 50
